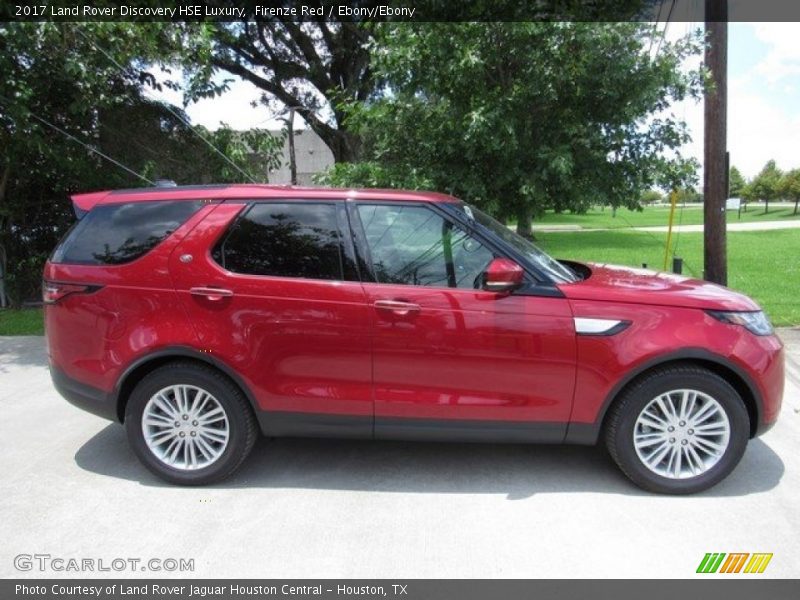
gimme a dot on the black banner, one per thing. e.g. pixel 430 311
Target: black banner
pixel 410 589
pixel 393 10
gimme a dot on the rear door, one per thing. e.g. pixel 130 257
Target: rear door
pixel 450 359
pixel 272 290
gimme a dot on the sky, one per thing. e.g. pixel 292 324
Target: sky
pixel 763 98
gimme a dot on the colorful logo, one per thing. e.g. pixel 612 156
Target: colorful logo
pixel 735 562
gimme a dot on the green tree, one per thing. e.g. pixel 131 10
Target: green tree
pixel 688 194
pixel 651 197
pixel 317 68
pixel 766 185
pixel 321 67
pixel 55 73
pixel 736 183
pixel 520 117
pixel 789 187
pixel 256 151
pixel 43 75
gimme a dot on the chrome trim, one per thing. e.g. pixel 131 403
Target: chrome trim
pixel 587 326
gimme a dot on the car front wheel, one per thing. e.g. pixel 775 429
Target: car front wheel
pixel 678 430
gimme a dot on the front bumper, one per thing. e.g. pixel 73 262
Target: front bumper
pixel 771 378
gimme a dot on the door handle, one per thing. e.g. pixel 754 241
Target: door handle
pixel 211 293
pixel 398 307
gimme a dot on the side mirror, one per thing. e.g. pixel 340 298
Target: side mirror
pixel 502 276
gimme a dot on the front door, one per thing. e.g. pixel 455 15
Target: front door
pixel 449 359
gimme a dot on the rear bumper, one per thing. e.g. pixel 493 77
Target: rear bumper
pixel 84 396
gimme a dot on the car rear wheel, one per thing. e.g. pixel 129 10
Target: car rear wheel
pixel 678 430
pixel 189 424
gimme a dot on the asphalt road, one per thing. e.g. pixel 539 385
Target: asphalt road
pixel 71 488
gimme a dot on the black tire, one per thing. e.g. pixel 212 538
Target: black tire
pixel 241 421
pixel 635 398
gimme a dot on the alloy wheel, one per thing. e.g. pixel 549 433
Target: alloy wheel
pixel 185 427
pixel 681 434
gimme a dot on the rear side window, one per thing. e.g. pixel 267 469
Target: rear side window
pixel 114 234
pixel 297 239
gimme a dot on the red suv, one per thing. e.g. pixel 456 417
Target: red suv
pixel 199 316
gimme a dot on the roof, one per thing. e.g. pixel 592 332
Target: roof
pixel 251 192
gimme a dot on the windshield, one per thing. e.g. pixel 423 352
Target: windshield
pixel 543 261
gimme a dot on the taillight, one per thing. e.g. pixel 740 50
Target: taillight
pixel 53 291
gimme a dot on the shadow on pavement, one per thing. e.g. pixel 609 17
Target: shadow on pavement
pixel 519 471
pixel 22 351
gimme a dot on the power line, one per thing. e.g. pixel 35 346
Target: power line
pixel 85 145
pixel 655 28
pixel 275 116
pixel 666 26
pixel 171 111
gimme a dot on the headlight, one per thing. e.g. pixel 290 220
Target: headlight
pixel 754 322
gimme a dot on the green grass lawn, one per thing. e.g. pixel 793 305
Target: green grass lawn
pixel 26 321
pixel 762 264
pixel 658 216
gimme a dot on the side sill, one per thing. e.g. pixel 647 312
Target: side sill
pixel 294 424
pixel 84 396
pixel 298 424
pixel 463 430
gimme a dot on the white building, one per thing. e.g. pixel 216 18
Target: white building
pixel 311 155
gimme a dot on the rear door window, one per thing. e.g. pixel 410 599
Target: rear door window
pixel 114 234
pixel 289 239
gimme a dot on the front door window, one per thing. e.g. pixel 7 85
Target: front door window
pixel 413 245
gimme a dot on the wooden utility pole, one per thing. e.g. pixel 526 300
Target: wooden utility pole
pixel 292 157
pixel 715 176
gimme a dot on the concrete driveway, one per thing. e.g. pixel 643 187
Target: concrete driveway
pixel 71 488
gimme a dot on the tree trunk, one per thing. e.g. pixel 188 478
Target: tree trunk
pixel 342 144
pixel 766 206
pixel 346 149
pixel 524 223
pixel 796 201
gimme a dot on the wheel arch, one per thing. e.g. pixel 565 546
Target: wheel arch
pixel 144 365
pixel 589 433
